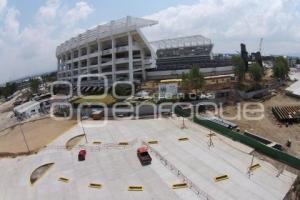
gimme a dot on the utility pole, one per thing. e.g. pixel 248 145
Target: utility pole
pixel 24 138
pixel 260 44
pixel 210 143
pixel 249 169
pixel 183 126
pixel 86 140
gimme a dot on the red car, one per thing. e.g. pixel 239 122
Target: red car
pixel 81 155
pixel 144 156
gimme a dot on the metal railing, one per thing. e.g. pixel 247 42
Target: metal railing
pixel 286 158
pixel 200 193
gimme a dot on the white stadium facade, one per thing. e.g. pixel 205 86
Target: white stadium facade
pixel 120 51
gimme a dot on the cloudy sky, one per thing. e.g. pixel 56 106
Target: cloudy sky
pixel 30 30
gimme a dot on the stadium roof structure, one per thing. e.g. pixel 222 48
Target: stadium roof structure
pixel 179 156
pixel 111 28
pixel 190 41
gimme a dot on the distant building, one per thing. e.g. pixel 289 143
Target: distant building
pixel 27 110
pixel 38 106
pixel 178 55
pixel 120 51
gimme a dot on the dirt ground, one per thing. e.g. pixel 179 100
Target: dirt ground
pixel 38 134
pixel 268 126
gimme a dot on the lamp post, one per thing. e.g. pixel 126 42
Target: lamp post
pixel 249 169
pixel 86 140
pixel 22 132
pixel 183 126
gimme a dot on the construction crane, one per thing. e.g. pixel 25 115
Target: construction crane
pixel 260 45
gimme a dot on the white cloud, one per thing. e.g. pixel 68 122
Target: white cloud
pixel 80 11
pixel 30 49
pixel 229 22
pixel 2 4
pixel 48 12
pixel 25 52
pixel 11 24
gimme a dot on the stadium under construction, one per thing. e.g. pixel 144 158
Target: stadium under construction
pixel 120 51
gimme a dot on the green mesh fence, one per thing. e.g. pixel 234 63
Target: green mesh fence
pixel 269 151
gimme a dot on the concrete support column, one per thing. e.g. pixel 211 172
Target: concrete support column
pixel 88 55
pixel 72 69
pixel 88 63
pixel 58 63
pixel 113 54
pixel 130 57
pixel 63 63
pixel 66 70
pixel 79 61
pixel 58 67
pixel 99 56
pixel 143 64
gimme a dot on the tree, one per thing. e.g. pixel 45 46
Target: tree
pixel 280 68
pixel 51 77
pixel 256 72
pixel 239 67
pixel 34 85
pixel 185 83
pixel 123 89
pixel 9 89
pixel 193 80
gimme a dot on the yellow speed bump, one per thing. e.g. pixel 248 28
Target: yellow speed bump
pixel 221 178
pixel 179 185
pixel 62 179
pixel 254 167
pixel 135 188
pixel 95 185
pixel 183 139
pixel 96 142
pixel 123 143
pixel 153 142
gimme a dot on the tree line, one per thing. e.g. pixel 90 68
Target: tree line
pixel 194 79
pixel 280 69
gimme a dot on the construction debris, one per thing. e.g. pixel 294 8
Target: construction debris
pixel 287 114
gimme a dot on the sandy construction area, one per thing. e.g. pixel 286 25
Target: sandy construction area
pixel 268 126
pixel 38 134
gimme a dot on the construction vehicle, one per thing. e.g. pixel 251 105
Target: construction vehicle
pixel 97 115
pixel 144 156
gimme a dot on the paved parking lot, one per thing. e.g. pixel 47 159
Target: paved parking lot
pixel 117 167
